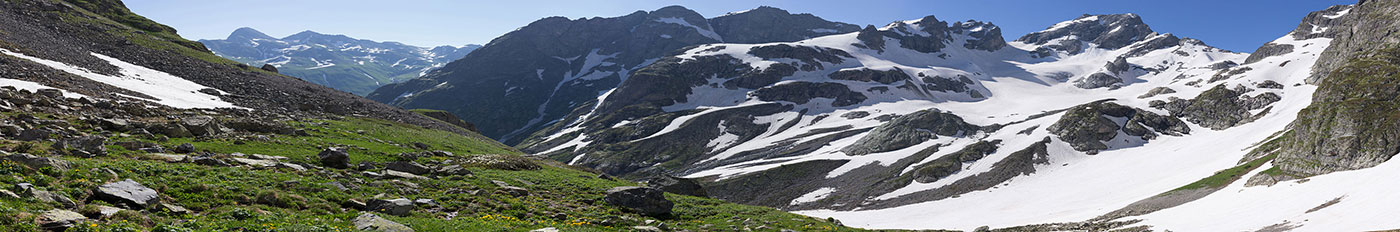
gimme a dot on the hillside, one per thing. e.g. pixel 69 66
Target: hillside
pixel 111 122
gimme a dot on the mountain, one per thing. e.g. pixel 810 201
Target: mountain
pixel 112 122
pixel 337 61
pixel 532 77
pixel 1094 123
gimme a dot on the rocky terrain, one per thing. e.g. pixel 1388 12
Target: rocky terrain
pixel 337 61
pixel 532 77
pixel 111 122
pixel 946 125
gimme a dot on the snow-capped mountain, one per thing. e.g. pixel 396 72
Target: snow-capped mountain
pixel 337 61
pixel 1096 122
pixel 534 76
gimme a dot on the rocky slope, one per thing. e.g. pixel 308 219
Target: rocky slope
pixel 531 77
pixel 337 61
pixel 1098 121
pixel 111 122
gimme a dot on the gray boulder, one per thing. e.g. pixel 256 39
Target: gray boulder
pixel 334 157
pixel 409 167
pixel 201 125
pixel 371 222
pixel 127 193
pixel 396 207
pixel 59 220
pixel 38 162
pixel 86 146
pixel 643 200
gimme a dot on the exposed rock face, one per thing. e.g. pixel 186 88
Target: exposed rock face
pixel 448 117
pixel 1157 91
pixel 1364 27
pixel 768 24
pixel 127 193
pixel 37 162
pixel 909 130
pixel 643 200
pixel 929 35
pixel 1351 123
pixel 514 78
pixel 371 222
pixel 1220 108
pixel 1106 31
pixel 802 92
pixel 867 75
pixel 677 185
pixel 952 163
pixel 1086 127
pixel 1269 49
pixel 1098 80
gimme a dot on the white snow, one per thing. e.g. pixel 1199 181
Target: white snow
pixel 32 86
pixel 682 22
pixel 167 89
pixel 813 196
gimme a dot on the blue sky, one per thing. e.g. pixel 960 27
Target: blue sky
pixel 1239 25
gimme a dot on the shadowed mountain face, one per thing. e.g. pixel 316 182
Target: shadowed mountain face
pixel 337 61
pixel 532 77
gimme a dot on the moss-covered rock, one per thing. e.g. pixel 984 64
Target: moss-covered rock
pixel 1220 108
pixel 1352 122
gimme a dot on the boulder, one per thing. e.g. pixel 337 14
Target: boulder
pixel 292 166
pixel 59 220
pixel 185 148
pixel 452 170
pixel 396 207
pixel 677 185
pixel 127 193
pixel 201 125
pixel 27 190
pixel 86 146
pixel 171 209
pixel 409 167
pixel 269 68
pixel 38 162
pixel 371 222
pixel 34 134
pixel 335 158
pixel 404 175
pixel 643 200
pixel 255 162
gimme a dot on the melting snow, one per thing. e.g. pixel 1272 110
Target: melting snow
pixel 167 89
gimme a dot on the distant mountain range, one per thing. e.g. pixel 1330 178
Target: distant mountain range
pixel 531 77
pixel 353 65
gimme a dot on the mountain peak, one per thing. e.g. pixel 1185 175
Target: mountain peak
pixel 1108 31
pixel 247 33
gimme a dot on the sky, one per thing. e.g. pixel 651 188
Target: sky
pixel 1237 25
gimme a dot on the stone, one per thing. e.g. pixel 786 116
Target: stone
pixel 546 229
pixel 643 200
pixel 34 134
pixel 59 220
pixel 371 222
pixel 28 191
pixel 452 170
pixel 127 193
pixel 104 212
pixel 267 157
pixel 169 158
pixel 255 162
pixel 201 125
pixel 292 166
pixel 171 209
pixel 8 195
pixel 405 175
pixel 86 146
pixel 396 207
pixel 184 148
pixel 677 185
pixel 37 162
pixel 269 68
pixel 335 158
pixel 409 167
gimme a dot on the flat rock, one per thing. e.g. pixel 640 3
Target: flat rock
pixel 59 220
pixel 129 193
pixel 371 222
pixel 396 207
pixel 255 162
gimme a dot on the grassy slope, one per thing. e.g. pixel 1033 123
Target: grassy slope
pixel 228 198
